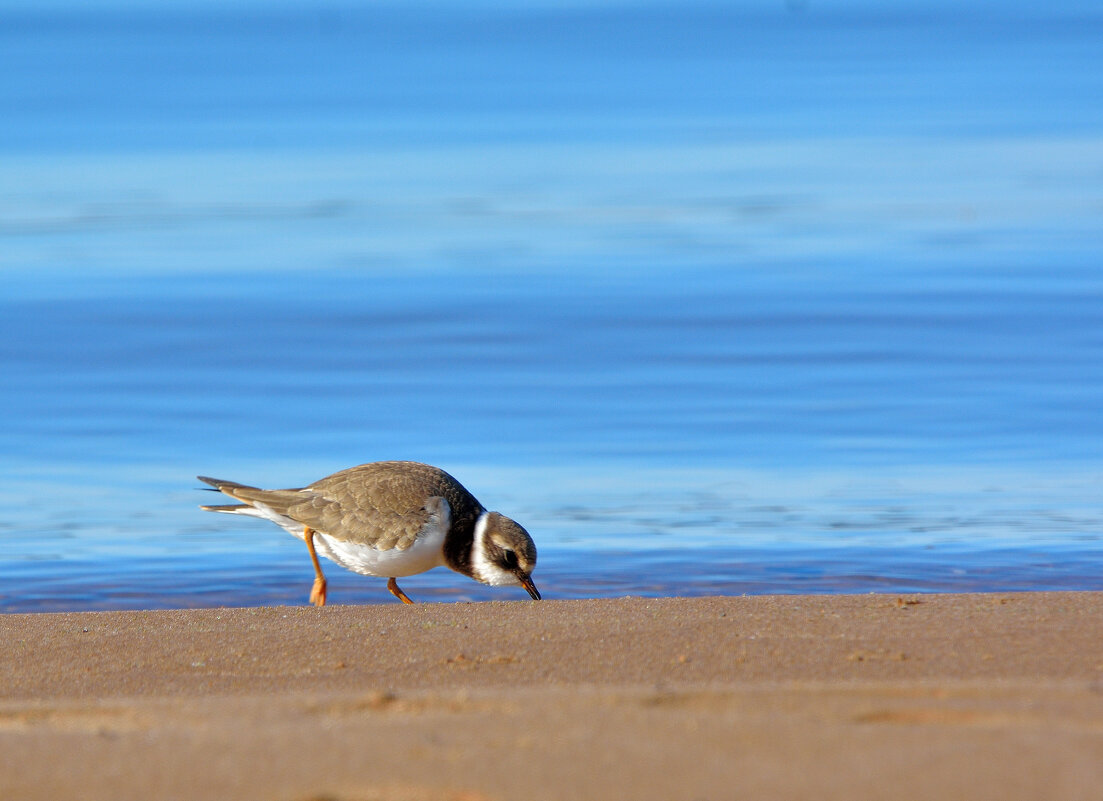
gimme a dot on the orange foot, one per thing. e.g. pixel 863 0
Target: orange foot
pixel 318 592
pixel 397 592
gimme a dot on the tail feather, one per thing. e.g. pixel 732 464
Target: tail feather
pixel 222 486
pixel 230 488
pixel 277 500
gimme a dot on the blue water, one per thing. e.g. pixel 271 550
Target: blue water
pixel 713 299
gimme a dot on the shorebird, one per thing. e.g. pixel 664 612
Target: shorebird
pixel 392 519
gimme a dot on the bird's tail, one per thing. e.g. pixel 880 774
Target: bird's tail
pixel 228 487
pixel 231 508
pixel 224 486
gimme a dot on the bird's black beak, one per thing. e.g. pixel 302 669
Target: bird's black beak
pixel 526 582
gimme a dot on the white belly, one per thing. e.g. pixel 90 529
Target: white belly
pixel 426 553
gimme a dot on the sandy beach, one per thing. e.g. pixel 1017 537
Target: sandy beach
pixel 872 696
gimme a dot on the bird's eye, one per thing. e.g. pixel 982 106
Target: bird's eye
pixel 509 559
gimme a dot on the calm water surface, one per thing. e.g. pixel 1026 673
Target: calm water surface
pixel 714 302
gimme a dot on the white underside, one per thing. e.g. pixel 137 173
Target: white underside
pixel 426 553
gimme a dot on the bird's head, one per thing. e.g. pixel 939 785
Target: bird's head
pixel 503 553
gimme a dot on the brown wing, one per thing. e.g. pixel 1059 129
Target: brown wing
pixel 380 504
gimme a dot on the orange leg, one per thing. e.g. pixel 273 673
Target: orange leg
pixel 397 592
pixel 318 591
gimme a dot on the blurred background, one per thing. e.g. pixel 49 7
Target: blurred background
pixel 714 298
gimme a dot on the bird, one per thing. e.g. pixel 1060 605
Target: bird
pixel 392 519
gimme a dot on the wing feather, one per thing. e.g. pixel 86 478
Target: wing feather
pixel 381 504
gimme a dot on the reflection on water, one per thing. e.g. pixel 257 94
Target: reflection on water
pixel 711 302
pixel 602 533
pixel 285 579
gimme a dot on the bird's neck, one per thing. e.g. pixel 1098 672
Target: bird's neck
pixel 460 541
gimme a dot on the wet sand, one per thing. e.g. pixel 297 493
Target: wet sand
pixel 827 697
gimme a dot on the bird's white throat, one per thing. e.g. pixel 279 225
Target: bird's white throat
pixel 483 569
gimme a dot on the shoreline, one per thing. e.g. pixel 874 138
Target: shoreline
pixel 926 696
